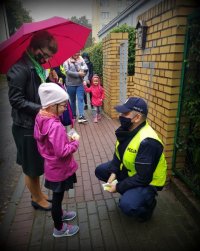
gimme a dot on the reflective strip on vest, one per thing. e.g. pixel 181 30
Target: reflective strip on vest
pixel 159 175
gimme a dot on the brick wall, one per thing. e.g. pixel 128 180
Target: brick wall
pixel 111 68
pixel 157 67
pixel 130 86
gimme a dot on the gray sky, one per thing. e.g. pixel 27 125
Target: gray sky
pixel 43 9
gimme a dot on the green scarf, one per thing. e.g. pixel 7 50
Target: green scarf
pixel 39 69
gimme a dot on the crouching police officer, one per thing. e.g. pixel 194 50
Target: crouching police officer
pixel 138 164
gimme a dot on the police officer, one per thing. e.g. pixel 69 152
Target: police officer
pixel 138 168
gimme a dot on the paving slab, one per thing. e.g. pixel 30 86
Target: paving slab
pixel 102 225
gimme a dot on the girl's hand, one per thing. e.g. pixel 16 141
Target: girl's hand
pixel 75 136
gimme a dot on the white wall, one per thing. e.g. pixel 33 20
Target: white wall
pixel 4 34
pixel 130 19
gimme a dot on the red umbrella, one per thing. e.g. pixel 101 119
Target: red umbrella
pixel 70 36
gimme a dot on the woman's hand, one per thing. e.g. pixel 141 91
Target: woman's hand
pixel 81 74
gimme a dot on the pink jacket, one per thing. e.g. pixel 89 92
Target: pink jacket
pixel 97 93
pixel 55 147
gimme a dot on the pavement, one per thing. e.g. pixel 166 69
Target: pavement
pixel 102 224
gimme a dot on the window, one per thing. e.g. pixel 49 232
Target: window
pixel 105 15
pixel 120 4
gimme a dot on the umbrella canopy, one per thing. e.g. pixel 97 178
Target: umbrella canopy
pixel 70 36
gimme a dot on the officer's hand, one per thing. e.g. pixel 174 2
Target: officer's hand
pixel 112 188
pixel 111 178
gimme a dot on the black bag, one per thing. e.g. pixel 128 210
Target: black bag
pixel 67 117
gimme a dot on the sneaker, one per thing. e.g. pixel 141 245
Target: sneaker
pixel 67 230
pixel 99 116
pixel 68 215
pixel 82 119
pixel 85 107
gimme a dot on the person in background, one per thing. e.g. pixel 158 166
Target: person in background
pixel 24 78
pixel 61 74
pixel 138 169
pixel 76 69
pixel 56 75
pixel 97 96
pixel 88 77
pixel 57 150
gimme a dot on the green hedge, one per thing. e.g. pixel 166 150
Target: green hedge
pixel 131 45
pixel 190 133
pixel 96 57
pixel 96 54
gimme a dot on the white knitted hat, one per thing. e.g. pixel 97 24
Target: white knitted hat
pixel 51 94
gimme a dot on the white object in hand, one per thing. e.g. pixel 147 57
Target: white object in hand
pixel 73 134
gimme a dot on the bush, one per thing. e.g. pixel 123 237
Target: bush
pixel 131 45
pixel 96 57
pixel 96 53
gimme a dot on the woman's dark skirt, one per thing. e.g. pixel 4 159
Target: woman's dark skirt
pixel 27 152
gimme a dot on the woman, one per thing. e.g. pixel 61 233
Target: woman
pixel 76 69
pixel 24 78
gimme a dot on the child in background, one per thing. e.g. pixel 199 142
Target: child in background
pixel 57 150
pixel 97 96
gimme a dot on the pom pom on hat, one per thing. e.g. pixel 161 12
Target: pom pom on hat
pixel 51 94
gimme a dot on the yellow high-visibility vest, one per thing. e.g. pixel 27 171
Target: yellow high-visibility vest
pixel 62 69
pixel 128 161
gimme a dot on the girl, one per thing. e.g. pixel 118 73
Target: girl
pixel 97 96
pixel 57 150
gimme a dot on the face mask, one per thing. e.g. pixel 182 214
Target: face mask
pixel 86 60
pixel 125 122
pixel 40 59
